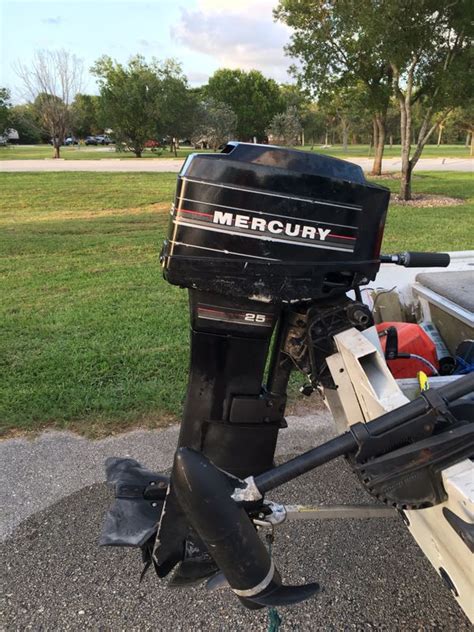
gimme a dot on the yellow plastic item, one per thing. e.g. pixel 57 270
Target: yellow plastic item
pixel 423 381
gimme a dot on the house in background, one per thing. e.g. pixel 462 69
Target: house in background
pixel 9 136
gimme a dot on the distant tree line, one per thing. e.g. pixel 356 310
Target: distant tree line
pixel 152 101
pixel 375 72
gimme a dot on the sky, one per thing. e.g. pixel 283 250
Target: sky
pixel 203 35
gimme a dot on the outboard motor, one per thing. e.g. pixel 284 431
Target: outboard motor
pixel 268 241
pixel 254 230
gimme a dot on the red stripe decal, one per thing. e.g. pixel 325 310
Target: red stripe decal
pixel 183 210
pixel 342 236
pixel 207 309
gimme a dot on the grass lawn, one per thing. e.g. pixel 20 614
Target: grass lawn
pixel 33 152
pixel 40 152
pixel 432 229
pixel 93 338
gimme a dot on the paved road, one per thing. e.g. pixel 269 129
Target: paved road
pixel 167 164
pixel 372 573
pixel 104 164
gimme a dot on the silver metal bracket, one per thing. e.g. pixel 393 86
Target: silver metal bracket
pixel 332 512
pixel 280 513
pixel 249 493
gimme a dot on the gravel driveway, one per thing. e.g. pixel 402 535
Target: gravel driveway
pixel 373 576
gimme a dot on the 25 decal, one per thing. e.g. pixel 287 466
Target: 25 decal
pixel 255 318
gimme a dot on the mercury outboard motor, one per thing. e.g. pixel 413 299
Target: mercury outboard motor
pixel 253 230
pixel 268 241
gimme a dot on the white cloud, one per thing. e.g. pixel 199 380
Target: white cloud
pixel 243 36
pixel 260 7
pixel 197 77
pixel 53 21
pixel 150 45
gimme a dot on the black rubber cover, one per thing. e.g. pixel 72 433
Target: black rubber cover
pixel 426 259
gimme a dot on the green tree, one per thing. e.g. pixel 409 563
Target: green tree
pixel 463 119
pixel 5 108
pixel 24 119
pixel 85 115
pixel 216 124
pixel 393 122
pixel 338 44
pixel 347 105
pixel 293 96
pixel 314 124
pixel 428 46
pixel 285 127
pixel 129 99
pixel 255 99
pixel 177 104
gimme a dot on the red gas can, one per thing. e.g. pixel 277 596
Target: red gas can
pixel 411 340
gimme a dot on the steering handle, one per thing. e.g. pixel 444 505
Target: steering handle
pixel 418 259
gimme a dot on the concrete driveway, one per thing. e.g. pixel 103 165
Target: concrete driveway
pixel 169 164
pixel 373 576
